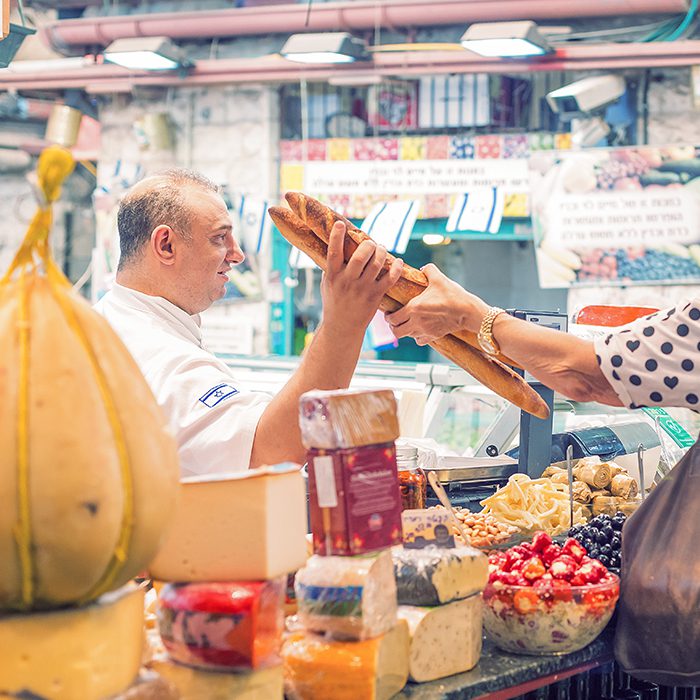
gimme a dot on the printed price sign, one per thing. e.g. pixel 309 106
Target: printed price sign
pixel 422 528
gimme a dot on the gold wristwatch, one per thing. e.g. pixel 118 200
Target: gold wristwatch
pixel 485 335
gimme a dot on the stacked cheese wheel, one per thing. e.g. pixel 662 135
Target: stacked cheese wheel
pixel 88 479
pixel 221 576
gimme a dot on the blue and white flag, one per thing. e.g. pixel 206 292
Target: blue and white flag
pixel 390 224
pixel 480 209
pixel 217 394
pixel 253 222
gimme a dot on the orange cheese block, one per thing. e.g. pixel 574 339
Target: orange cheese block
pixel 316 668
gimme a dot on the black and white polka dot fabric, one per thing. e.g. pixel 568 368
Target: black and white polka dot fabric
pixel 655 361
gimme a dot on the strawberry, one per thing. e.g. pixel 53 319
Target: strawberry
pixel 540 541
pixel 574 549
pixel 526 601
pixel 563 567
pixel 533 569
pixel 551 553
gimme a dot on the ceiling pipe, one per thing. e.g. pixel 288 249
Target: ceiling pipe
pixel 106 78
pixel 334 16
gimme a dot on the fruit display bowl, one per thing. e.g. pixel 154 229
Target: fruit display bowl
pixel 548 619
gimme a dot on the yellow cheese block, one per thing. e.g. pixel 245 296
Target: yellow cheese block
pixel 85 653
pixel 445 639
pixel 194 684
pixel 319 669
pixel 237 527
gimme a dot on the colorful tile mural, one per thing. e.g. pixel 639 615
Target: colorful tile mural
pixel 436 148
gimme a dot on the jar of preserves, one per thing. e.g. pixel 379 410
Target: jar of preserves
pixel 412 480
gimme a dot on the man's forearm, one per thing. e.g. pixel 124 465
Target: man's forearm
pixel 328 363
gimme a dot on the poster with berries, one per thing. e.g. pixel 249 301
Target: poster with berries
pixel 622 216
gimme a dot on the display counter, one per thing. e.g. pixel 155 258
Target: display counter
pixel 500 675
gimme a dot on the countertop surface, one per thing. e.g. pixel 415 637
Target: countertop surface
pixel 498 670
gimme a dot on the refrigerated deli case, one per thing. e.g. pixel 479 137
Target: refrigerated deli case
pixel 476 433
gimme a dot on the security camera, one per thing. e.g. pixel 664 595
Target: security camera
pixel 585 96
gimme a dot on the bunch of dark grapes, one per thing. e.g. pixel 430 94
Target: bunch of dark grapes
pixel 602 538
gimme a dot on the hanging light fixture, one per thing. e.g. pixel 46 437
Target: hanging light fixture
pixel 328 47
pixel 505 40
pixel 147 53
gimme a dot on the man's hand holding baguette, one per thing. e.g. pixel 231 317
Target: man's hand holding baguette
pixel 351 295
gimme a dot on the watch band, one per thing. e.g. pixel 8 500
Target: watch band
pixel 485 336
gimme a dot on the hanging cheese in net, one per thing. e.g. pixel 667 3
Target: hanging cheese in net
pixel 88 472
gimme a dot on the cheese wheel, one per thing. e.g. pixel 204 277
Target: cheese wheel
pixel 248 526
pixel 445 639
pixel 194 684
pixel 347 597
pixel 224 626
pixel 316 668
pixel 434 576
pixel 88 653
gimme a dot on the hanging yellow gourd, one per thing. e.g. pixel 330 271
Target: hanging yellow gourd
pixel 88 471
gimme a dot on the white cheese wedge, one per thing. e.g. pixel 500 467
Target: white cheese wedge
pixel 434 576
pixel 88 653
pixel 350 598
pixel 236 527
pixel 445 639
pixel 316 668
pixel 194 684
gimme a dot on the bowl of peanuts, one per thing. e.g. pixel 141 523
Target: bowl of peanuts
pixel 483 530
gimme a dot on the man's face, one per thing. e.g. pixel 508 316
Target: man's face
pixel 208 253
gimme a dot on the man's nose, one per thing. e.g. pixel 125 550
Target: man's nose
pixel 235 255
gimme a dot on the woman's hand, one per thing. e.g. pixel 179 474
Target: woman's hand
pixel 444 307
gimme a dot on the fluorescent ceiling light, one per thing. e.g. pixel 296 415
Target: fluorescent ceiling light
pixel 433 239
pixel 329 47
pixel 505 40
pixel 146 53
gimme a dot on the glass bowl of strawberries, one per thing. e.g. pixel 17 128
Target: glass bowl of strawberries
pixel 546 598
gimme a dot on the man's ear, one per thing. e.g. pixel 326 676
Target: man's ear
pixel 163 244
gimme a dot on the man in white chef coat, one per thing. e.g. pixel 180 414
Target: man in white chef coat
pixel 177 245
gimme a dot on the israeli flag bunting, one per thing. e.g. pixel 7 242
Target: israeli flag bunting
pixel 480 209
pixel 253 222
pixel 390 224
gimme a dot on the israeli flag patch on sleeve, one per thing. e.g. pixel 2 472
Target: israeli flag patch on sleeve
pixel 217 394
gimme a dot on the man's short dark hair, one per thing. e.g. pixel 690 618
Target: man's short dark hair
pixel 164 202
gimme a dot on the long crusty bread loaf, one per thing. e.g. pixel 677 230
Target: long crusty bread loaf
pixel 501 379
pixel 411 283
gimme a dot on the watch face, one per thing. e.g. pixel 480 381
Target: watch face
pixel 487 345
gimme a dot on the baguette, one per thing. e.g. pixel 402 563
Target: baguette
pixel 411 283
pixel 501 379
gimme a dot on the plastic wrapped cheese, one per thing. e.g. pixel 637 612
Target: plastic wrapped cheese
pixel 316 668
pixel 434 576
pixel 340 419
pixel 347 597
pixel 445 639
pixel 193 684
pixel 223 626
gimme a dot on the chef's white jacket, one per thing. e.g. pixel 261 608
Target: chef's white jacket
pixel 213 420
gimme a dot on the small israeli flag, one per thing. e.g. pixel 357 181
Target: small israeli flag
pixel 217 394
pixel 480 209
pixel 253 222
pixel 390 224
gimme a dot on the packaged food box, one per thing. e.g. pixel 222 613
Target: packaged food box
pixel 354 496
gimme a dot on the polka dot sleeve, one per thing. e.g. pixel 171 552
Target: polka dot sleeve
pixel 655 361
